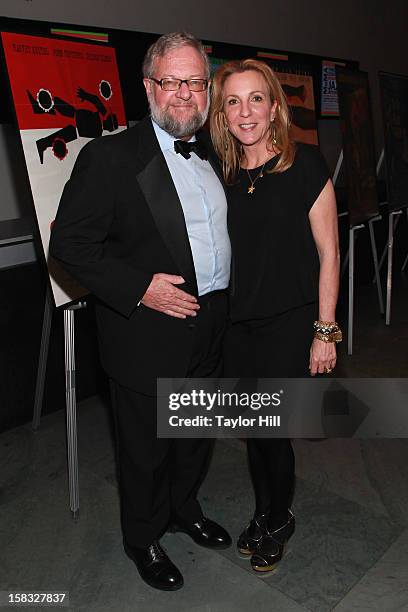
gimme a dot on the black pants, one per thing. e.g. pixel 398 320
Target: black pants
pixel 159 478
pixel 277 347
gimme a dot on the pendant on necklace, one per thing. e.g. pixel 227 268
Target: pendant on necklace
pixel 251 188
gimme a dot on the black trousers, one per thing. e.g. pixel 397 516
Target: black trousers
pixel 159 478
pixel 277 347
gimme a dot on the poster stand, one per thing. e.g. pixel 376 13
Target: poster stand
pixel 406 259
pixel 393 219
pixel 42 361
pixel 351 267
pixel 380 162
pixel 394 103
pixel 350 260
pixel 70 394
pixel 52 113
pixel 70 390
pixel 350 319
pixel 338 167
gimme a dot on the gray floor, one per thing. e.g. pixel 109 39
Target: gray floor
pixel 349 551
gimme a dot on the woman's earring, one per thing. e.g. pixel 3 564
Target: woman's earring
pixel 274 141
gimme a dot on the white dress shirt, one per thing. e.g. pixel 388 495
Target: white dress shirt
pixel 204 206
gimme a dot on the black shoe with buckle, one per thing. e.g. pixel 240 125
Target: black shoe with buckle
pixel 272 547
pixel 252 535
pixel 155 568
pixel 205 533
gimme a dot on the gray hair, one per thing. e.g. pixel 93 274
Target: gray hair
pixel 169 42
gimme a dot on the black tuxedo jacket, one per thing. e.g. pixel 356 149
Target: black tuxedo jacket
pixel 120 221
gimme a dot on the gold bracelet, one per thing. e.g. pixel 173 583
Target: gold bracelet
pixel 325 327
pixel 334 336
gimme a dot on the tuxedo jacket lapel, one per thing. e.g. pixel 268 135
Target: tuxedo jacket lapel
pixel 204 137
pixel 160 193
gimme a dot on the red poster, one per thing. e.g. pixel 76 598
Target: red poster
pixel 65 94
pixel 298 89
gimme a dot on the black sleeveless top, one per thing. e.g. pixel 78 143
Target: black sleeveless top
pixel 275 265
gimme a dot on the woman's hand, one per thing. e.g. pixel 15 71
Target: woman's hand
pixel 322 355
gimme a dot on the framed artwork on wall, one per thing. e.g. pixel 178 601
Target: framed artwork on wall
pixel 394 99
pixel 358 144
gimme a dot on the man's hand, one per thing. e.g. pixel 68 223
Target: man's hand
pixel 163 296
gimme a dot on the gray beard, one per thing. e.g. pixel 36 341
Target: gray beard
pixel 176 128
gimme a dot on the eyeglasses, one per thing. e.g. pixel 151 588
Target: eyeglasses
pixel 169 84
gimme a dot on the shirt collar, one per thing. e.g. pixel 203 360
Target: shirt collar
pixel 166 141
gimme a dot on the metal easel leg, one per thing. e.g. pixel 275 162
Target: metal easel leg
pixel 393 219
pixel 404 265
pixel 70 392
pixel 375 261
pixel 337 169
pixel 351 288
pixel 344 264
pixel 384 253
pixel 351 292
pixel 347 255
pixel 42 361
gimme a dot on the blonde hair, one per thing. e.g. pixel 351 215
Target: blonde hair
pixel 227 147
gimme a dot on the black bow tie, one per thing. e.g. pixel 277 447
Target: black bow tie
pixel 185 148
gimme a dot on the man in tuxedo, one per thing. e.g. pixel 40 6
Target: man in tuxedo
pixel 142 225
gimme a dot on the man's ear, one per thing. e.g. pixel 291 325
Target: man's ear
pixel 148 85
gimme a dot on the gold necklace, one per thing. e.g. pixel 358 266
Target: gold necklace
pixel 251 188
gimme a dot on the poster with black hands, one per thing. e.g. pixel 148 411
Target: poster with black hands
pixel 65 93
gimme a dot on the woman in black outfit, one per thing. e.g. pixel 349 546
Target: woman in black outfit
pixel 283 227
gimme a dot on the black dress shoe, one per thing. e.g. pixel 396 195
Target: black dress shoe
pixel 252 535
pixel 155 568
pixel 205 533
pixel 272 547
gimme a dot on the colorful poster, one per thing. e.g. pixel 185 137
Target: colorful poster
pixel 394 95
pixel 358 145
pixel 298 89
pixel 65 94
pixel 83 34
pixel 329 104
